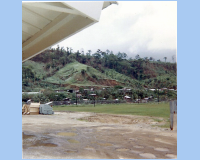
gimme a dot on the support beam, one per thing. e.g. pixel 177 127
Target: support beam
pixel 53 8
pixel 64 32
pixel 54 25
pixel 30 25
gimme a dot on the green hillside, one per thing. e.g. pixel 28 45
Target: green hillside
pixel 76 73
pixel 61 69
pixel 36 67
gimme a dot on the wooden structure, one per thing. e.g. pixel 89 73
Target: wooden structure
pixel 32 109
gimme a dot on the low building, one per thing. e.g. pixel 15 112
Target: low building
pixel 31 92
pixel 145 100
pixel 66 99
pixel 127 98
pixel 79 95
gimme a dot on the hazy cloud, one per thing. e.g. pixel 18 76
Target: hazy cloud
pixel 144 28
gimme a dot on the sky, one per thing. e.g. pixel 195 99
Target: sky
pixel 147 28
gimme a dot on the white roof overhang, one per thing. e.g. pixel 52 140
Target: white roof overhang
pixel 47 23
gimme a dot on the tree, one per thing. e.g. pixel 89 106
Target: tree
pixel 78 55
pixel 121 55
pixel 137 57
pixel 173 58
pixel 165 58
pixel 67 49
pixel 107 51
pixel 97 56
pixel 151 59
pixel 83 72
pixel 88 54
pixel 71 50
pixel 62 60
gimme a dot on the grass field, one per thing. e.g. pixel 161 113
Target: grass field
pixel 154 110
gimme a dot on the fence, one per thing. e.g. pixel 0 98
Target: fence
pixel 56 103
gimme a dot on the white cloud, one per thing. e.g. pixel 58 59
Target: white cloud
pixel 132 27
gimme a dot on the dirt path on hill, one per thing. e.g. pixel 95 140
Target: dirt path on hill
pixel 80 135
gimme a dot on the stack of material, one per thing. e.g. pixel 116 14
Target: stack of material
pixel 34 108
pixel 46 109
pixel 26 109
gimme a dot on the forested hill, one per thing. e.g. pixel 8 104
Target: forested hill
pixel 64 68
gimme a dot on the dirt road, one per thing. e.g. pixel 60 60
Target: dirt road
pixel 95 136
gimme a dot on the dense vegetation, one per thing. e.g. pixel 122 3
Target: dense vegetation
pixel 60 69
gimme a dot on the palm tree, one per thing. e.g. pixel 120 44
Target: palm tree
pixel 71 50
pixel 173 58
pixel 107 51
pixel 165 58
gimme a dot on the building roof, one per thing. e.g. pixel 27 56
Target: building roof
pixel 45 24
pixel 31 92
pixel 127 97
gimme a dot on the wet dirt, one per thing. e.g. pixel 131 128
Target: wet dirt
pixel 39 143
pixel 71 151
pixel 63 136
pixel 73 141
pixel 66 134
pixel 148 155
pixel 122 149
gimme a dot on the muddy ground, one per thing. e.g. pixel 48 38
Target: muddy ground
pixel 81 135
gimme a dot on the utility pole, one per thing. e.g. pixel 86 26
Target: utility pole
pixel 94 98
pixel 138 91
pixel 158 94
pixel 76 98
pixel 94 101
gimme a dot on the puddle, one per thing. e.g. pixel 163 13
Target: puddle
pixel 136 152
pixel 161 149
pixel 148 155
pixel 25 136
pixel 73 141
pixel 138 146
pixel 122 149
pixel 46 133
pixel 89 148
pixel 74 129
pixel 162 141
pixel 27 123
pixel 171 156
pixel 66 134
pixel 104 144
pixel 71 151
pixel 133 139
pixel 38 144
